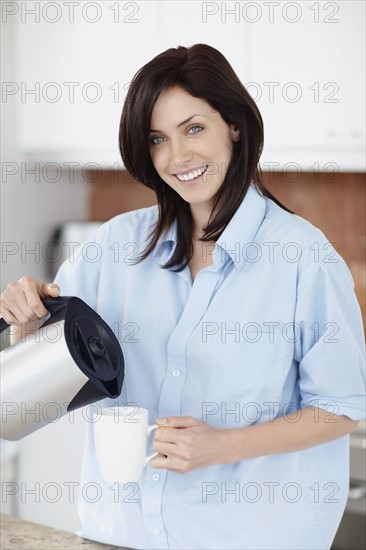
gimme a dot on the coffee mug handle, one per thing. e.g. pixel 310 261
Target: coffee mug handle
pixel 149 430
pixel 150 457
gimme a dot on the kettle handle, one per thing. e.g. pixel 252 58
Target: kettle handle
pixel 51 304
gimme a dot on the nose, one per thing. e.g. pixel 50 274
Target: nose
pixel 181 152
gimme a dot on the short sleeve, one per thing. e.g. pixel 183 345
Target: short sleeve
pixel 331 350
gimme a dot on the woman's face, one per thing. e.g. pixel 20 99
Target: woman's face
pixel 190 145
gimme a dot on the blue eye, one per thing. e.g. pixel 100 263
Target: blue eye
pixel 156 140
pixel 197 128
pixel 194 129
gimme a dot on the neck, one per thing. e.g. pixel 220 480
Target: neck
pixel 200 216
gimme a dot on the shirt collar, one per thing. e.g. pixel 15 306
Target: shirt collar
pixel 235 239
pixel 166 244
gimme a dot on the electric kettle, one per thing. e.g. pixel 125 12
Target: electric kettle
pixel 74 359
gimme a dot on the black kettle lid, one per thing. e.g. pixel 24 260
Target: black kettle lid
pixel 92 344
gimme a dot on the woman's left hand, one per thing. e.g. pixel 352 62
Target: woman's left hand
pixel 186 444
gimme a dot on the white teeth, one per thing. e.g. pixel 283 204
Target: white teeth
pixel 192 175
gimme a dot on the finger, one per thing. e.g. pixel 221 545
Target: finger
pixel 15 302
pixel 21 301
pixel 49 289
pixel 170 435
pixel 33 300
pixel 167 449
pixel 9 317
pixel 34 290
pixel 161 461
pixel 177 422
pixel 158 461
pixel 169 463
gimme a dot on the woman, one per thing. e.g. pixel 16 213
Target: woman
pixel 245 345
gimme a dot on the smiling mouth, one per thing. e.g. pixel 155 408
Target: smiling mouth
pixel 191 176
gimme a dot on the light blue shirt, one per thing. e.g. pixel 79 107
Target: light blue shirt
pixel 271 327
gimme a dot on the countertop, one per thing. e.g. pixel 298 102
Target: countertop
pixel 23 535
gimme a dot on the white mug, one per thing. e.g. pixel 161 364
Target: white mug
pixel 121 435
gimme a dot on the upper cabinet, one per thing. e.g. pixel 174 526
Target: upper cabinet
pixel 303 63
pixel 74 62
pixel 307 74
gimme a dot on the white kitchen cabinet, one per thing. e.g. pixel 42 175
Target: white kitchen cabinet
pixel 303 62
pixel 307 74
pixel 80 70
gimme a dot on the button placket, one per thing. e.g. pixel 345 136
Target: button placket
pixel 197 303
pixel 171 392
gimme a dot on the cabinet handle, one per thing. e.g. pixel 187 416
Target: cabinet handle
pixel 358 492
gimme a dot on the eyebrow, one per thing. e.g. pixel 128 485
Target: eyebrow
pixel 180 124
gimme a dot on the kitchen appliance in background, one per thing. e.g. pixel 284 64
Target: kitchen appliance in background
pixel 73 359
pixel 351 534
pixel 65 241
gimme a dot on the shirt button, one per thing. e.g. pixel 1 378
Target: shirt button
pixel 176 372
pixel 156 532
pixel 156 477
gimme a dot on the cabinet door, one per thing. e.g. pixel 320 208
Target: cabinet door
pixel 80 67
pixel 351 57
pixel 307 74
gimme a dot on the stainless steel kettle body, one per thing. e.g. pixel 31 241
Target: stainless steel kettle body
pixel 73 360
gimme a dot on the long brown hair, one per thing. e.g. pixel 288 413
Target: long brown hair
pixel 205 73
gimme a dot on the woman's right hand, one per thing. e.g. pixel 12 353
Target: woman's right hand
pixel 21 302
